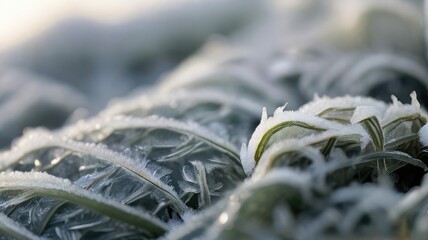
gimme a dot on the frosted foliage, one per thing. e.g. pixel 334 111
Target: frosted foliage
pixel 232 215
pixel 98 151
pixel 335 155
pixel 150 170
pixel 282 125
pixel 179 102
pixel 282 119
pixel 321 104
pixel 119 123
pixel 208 108
pixel 145 174
pixel 138 160
pixel 173 146
pixel 189 156
pixel 399 110
pixel 46 185
pixel 352 134
pixel 364 112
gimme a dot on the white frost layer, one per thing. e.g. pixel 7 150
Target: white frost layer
pixel 279 117
pixel 40 139
pixel 364 108
pixel 290 145
pixel 123 122
pixel 320 104
pixel 183 98
pixel 400 110
pixel 385 113
pixel 364 112
pixel 42 181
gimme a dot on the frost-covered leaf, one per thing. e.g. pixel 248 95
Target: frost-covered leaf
pixel 44 185
pixel 148 173
pixel 216 110
pixel 359 123
pixel 250 209
pixel 281 125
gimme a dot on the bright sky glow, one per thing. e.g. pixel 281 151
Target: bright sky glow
pixel 22 19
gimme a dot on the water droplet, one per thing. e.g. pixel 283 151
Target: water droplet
pixel 55 161
pixel 223 218
pixel 37 163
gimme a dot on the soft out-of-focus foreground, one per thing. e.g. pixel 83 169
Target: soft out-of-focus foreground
pixel 136 120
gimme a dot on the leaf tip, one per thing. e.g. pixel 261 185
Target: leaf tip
pixel 264 115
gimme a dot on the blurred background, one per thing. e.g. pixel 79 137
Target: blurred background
pixel 61 61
